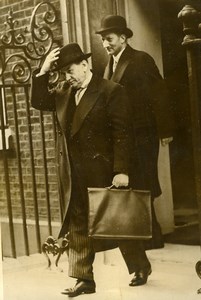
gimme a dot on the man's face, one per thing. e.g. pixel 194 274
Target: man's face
pixel 113 43
pixel 75 73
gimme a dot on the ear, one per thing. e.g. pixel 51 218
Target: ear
pixel 84 64
pixel 123 38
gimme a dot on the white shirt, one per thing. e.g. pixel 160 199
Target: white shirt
pixel 80 92
pixel 116 59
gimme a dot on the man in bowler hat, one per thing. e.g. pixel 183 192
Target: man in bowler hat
pixel 92 151
pixel 148 104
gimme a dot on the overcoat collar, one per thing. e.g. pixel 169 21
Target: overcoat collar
pixel 86 104
pixel 121 66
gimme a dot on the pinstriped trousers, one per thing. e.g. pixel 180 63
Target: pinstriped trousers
pixel 81 250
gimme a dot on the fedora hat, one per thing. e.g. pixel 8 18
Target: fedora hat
pixel 113 23
pixel 69 54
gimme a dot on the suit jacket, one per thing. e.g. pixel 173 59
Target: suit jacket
pixel 150 112
pixel 93 145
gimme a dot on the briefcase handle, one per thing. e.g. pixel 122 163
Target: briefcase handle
pixel 118 188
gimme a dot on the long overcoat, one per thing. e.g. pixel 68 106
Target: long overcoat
pixel 150 112
pixel 95 146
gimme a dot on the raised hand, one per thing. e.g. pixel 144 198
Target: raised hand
pixel 49 60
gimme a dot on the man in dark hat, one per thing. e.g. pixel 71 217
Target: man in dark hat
pixel 148 106
pixel 92 151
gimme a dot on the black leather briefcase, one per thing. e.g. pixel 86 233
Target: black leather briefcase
pixel 119 214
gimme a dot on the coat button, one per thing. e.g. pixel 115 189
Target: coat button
pixel 60 133
pixel 60 153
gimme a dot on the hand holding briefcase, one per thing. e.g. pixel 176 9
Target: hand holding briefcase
pixel 119 214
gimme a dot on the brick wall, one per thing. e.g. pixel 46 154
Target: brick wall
pixel 22 11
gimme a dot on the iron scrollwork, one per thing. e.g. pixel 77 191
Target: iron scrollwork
pixel 19 49
pixel 51 246
pixel 11 38
pixel 42 36
pixel 21 71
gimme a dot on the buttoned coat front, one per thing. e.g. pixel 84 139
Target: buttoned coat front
pixel 94 146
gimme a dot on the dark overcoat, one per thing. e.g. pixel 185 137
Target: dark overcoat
pixel 150 113
pixel 95 147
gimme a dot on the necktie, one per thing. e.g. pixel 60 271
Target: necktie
pixel 114 65
pixel 79 94
pixel 110 68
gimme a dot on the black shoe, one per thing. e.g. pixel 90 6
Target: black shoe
pixel 140 277
pixel 81 287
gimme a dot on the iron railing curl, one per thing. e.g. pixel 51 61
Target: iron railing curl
pixel 41 33
pixel 40 42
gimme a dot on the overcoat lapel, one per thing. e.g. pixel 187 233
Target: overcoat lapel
pixel 119 71
pixel 124 60
pixel 108 69
pixel 86 104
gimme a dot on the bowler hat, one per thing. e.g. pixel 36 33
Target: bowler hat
pixel 69 54
pixel 113 23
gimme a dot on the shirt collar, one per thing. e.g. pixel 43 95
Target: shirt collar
pixel 117 57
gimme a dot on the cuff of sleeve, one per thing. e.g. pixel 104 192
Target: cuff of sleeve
pixel 36 73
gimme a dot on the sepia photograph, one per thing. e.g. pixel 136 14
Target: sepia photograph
pixel 100 149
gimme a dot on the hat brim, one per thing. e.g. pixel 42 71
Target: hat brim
pixel 74 60
pixel 128 32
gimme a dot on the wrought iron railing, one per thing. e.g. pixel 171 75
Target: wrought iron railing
pixel 21 50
